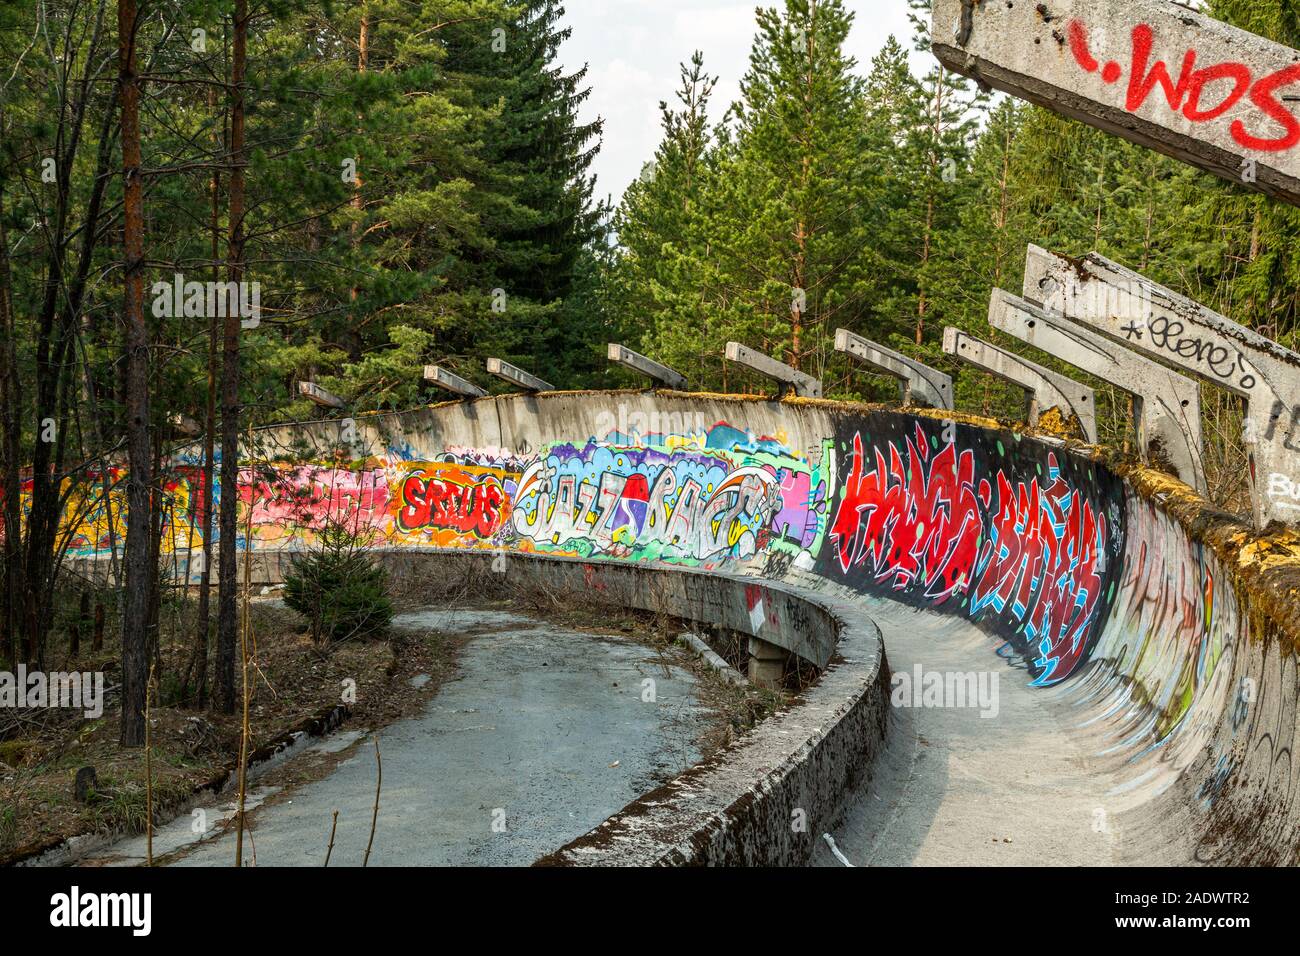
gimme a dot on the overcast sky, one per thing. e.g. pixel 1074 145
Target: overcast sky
pixel 633 48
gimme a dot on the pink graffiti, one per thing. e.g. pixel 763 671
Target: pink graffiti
pixel 310 495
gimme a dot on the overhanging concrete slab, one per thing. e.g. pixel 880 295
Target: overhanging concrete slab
pixel 919 384
pixel 803 385
pixel 452 382
pixel 1170 327
pixel 517 376
pixel 1044 388
pixel 1151 71
pixel 1168 405
pixel 319 395
pixel 622 355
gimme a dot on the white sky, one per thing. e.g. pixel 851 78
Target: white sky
pixel 633 48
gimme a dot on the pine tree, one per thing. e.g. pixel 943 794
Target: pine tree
pixel 546 226
pixel 662 224
pixel 789 223
pixel 940 146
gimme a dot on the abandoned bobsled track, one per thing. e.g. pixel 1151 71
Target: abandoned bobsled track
pixel 1144 641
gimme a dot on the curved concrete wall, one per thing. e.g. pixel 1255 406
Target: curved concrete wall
pixel 1163 628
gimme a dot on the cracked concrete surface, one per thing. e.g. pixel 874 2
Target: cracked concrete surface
pixel 543 732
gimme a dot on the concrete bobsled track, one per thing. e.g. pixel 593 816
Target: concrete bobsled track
pixel 1144 641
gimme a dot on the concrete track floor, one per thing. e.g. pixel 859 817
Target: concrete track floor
pixel 951 788
pixel 543 733
pixel 957 789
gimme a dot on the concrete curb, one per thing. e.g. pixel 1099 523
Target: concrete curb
pixel 711 657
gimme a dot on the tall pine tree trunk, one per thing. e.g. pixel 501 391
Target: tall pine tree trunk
pixel 200 659
pixel 351 340
pixel 136 606
pixel 224 696
pixel 10 399
pixel 927 236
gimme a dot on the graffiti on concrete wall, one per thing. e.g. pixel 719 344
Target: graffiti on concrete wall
pixel 1200 93
pixel 1007 533
pixel 445 505
pixel 293 500
pixel 1007 536
pixel 713 498
pixel 94 510
pixel 1168 645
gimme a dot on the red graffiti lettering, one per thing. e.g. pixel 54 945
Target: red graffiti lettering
pixel 1186 93
pixel 447 504
pixel 1141 83
pixel 1079 46
pixel 919 522
pixel 1263 96
pixel 1041 564
pixel 1224 71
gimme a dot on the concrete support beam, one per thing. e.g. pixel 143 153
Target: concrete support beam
pixel 1151 71
pixel 622 355
pixel 517 376
pixel 713 659
pixel 451 382
pixel 767 663
pixel 918 384
pixel 183 424
pixel 803 385
pixel 1170 327
pixel 1167 406
pixel 1044 388
pixel 318 395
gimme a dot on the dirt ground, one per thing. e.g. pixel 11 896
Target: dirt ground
pixel 291 683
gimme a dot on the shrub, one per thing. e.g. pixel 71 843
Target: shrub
pixel 336 586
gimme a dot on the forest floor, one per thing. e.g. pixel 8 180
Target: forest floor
pixel 292 683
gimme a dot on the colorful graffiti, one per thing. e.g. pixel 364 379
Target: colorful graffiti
pixel 720 495
pixel 921 519
pixel 94 510
pixel 1171 629
pixel 287 500
pixel 451 503
pixel 1005 537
